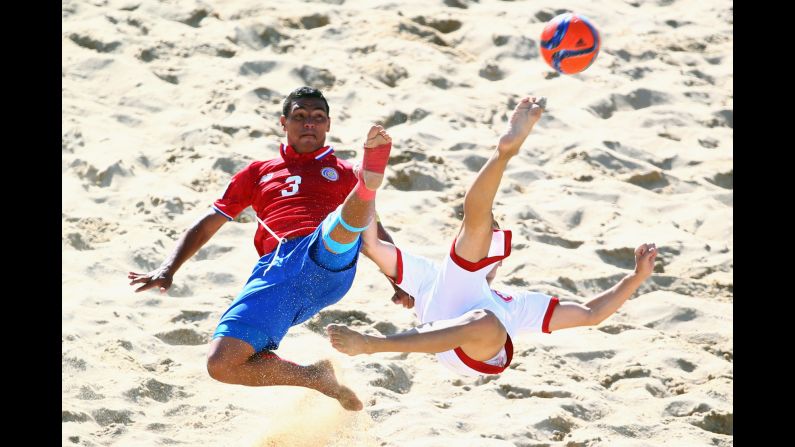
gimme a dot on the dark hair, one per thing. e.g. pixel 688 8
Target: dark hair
pixel 302 92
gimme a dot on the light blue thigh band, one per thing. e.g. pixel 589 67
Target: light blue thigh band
pixel 329 223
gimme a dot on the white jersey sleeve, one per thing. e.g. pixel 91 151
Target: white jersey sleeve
pixel 527 311
pixel 416 275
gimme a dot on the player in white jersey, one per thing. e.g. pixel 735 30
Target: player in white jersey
pixel 464 322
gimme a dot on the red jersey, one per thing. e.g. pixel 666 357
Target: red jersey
pixel 291 194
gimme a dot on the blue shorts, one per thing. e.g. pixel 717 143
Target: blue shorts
pixel 292 291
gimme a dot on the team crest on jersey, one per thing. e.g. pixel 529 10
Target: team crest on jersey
pixel 330 173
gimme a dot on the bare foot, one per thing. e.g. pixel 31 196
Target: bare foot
pixel 329 386
pixel 375 160
pixel 346 341
pixel 525 115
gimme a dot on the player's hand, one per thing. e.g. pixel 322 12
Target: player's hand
pixel 159 277
pixel 402 298
pixel 644 260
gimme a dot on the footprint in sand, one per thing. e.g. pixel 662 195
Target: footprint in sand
pixel 388 73
pixel 101 176
pixel 386 328
pixel 614 329
pixel 708 142
pixel 258 36
pixel 515 392
pixel 319 322
pixel 257 68
pixel 146 258
pixel 716 422
pixel 629 373
pixel 157 427
pixel 678 315
pixel 87 393
pixel 558 241
pixel 567 283
pixel 317 77
pixel 94 42
pixel 463 4
pixel 444 26
pixel 545 15
pixel 156 390
pixel 190 316
pixel 721 118
pixel 74 363
pixel 106 416
pixel 395 118
pixel 76 241
pixel 390 376
pixel 723 179
pixel 74 416
pixel 516 47
pixel 183 336
pixel 405 157
pixel 686 366
pixel 587 356
pixel 651 180
pixel 683 408
pixel 491 70
pixel 440 82
pixel 559 427
pixel 583 413
pixel 313 21
pixel 424 33
pixel 417 178
pixel 634 100
pixel 623 257
pixel 194 17
pixel 72 140
pixel 475 162
pixel 167 74
pixel 697 77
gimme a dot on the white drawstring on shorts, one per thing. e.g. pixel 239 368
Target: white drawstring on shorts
pixel 275 252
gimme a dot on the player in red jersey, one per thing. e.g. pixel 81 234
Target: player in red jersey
pixel 311 208
pixel 468 325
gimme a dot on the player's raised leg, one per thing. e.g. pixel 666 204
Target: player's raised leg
pixel 474 238
pixel 341 229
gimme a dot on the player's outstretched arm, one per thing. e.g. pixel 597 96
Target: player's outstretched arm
pixel 191 241
pixel 570 314
pixel 382 253
pixel 400 297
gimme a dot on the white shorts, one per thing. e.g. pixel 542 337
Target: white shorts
pixel 458 286
pixel 461 287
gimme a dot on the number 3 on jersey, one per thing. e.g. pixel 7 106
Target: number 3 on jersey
pixel 293 181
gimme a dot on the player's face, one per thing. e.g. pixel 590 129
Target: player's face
pixel 306 125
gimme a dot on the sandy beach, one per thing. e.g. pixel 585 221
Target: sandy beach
pixel 164 101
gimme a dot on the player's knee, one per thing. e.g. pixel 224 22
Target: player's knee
pixel 219 369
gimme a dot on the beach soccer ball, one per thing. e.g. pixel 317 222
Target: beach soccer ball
pixel 569 43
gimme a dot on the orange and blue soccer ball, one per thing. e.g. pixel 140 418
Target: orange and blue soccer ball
pixel 569 43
